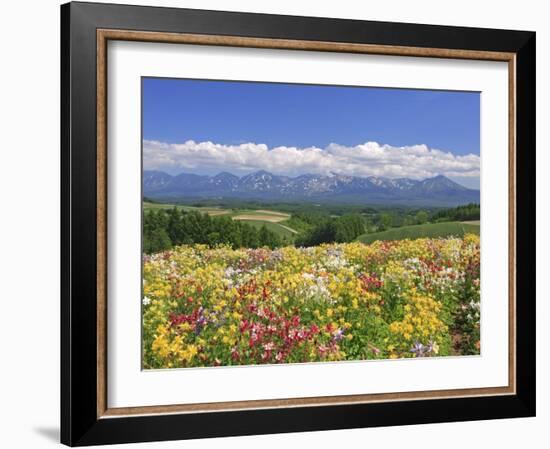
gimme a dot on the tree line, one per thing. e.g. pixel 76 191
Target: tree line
pixel 326 229
pixel 467 212
pixel 395 219
pixel 165 228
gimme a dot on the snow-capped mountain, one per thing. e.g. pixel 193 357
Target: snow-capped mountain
pixel 263 185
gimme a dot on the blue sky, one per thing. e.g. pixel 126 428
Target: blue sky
pixel 231 114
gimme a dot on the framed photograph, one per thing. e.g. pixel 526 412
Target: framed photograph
pixel 281 224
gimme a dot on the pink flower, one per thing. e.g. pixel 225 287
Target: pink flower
pixel 235 354
pixel 322 349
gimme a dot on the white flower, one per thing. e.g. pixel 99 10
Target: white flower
pixel 230 271
pixel 335 262
pixel 146 301
pixel 315 289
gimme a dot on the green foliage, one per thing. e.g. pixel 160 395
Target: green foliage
pixel 278 228
pixel 430 230
pixel 468 212
pixel 164 228
pixel 421 217
pixel 313 223
pixel 333 229
pixel 268 238
pixel 385 221
pixel 155 237
pixel 156 240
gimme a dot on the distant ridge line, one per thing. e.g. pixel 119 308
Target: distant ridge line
pixel 263 185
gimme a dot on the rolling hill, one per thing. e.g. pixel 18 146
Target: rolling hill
pixel 429 230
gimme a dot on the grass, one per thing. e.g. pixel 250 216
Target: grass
pixel 263 217
pixel 214 211
pixel 272 215
pixel 276 221
pixel 206 210
pixel 257 218
pixel 147 205
pixel 431 230
pixel 471 228
pixel 281 230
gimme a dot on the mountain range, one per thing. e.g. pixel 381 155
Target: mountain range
pixel 262 185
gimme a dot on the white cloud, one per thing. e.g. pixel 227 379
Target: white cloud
pixel 371 158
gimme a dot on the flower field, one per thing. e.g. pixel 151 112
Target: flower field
pixel 393 299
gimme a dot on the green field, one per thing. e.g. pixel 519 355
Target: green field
pixel 147 205
pixel 276 221
pixel 273 220
pixel 213 210
pixel 471 227
pixel 431 230
pixel 275 227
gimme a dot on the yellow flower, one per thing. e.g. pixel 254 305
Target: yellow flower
pixel 324 286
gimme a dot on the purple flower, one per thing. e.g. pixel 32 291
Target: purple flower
pixel 338 335
pixel 200 322
pixel 419 349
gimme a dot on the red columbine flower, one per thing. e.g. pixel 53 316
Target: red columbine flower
pixel 371 281
pixel 245 325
